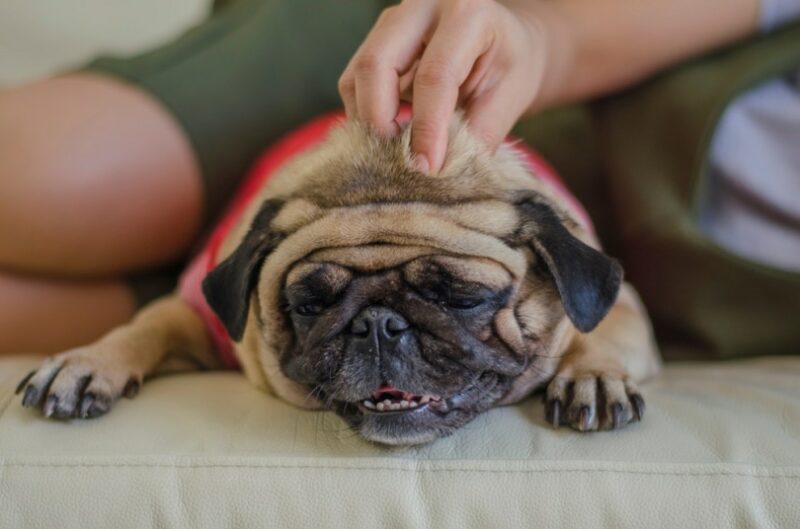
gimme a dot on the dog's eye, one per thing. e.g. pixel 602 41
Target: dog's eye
pixel 309 309
pixel 464 303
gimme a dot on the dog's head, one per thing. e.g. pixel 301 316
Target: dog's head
pixel 409 303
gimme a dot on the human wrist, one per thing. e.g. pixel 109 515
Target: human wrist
pixel 556 40
pixel 604 45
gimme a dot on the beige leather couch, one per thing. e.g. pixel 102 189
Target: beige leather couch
pixel 719 447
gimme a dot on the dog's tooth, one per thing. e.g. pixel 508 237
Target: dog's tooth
pixel 412 404
pixel 380 406
pixel 404 404
pixel 369 404
pixel 425 399
pixel 387 403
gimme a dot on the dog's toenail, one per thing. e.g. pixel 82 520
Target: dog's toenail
pixel 86 404
pixel 554 413
pixel 24 382
pixel 131 388
pixel 616 414
pixel 31 397
pixel 50 405
pixel 584 417
pixel 638 405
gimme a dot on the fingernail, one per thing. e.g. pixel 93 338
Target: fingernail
pixel 422 164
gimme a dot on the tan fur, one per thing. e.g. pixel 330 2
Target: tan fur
pixel 357 201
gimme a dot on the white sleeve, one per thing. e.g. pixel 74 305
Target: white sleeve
pixel 775 13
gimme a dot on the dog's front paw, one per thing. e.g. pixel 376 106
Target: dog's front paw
pixel 589 401
pixel 82 383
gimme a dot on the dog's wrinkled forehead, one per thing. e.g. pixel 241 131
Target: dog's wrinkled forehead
pixel 335 276
pixel 354 167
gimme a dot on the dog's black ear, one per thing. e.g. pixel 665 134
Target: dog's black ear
pixel 229 286
pixel 587 280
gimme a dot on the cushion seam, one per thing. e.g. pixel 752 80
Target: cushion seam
pixel 791 473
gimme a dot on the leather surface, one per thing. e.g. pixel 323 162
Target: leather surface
pixel 719 447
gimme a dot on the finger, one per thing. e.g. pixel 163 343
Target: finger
pixel 347 91
pixel 481 79
pixel 407 83
pixel 444 66
pixel 491 115
pixel 389 49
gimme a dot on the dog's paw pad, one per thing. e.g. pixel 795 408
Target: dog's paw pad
pixel 77 384
pixel 590 402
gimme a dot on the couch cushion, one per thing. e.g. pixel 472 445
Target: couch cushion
pixel 719 447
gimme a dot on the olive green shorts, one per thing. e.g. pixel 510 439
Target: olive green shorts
pixel 253 71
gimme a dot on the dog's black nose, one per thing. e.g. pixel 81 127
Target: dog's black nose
pixel 378 323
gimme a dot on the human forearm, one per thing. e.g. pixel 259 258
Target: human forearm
pixel 606 45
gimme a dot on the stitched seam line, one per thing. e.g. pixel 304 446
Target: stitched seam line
pixel 789 473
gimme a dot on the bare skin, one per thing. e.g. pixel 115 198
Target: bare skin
pixel 114 175
pixel 42 314
pixel 97 182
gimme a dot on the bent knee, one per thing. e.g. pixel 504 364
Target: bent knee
pixel 99 189
pixel 47 315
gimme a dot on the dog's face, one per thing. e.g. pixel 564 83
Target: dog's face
pixel 409 316
pixel 405 354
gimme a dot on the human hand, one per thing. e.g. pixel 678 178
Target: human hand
pixel 495 59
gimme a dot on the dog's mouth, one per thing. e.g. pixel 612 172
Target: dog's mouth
pixel 394 416
pixel 388 399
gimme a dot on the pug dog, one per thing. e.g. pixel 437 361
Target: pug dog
pixel 407 303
